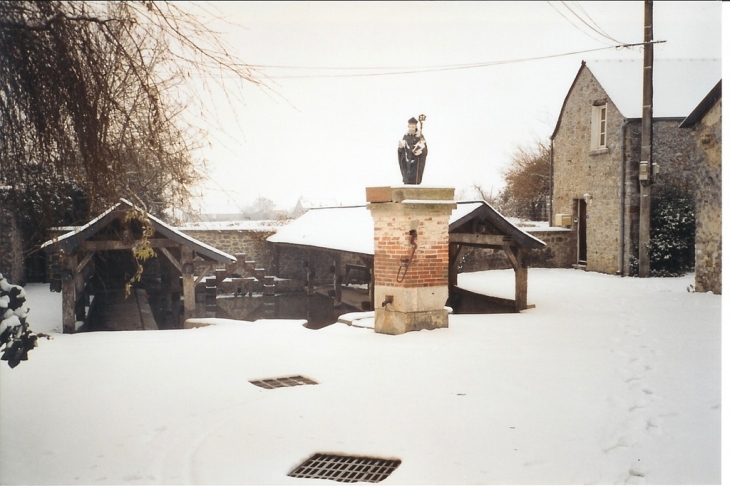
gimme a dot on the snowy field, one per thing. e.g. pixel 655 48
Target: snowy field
pixel 607 380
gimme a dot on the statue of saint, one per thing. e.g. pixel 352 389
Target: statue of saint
pixel 412 152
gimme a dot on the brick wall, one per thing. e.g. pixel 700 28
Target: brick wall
pixel 429 266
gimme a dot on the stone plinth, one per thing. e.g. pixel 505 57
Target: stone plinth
pixel 411 288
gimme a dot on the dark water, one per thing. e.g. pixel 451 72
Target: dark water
pixel 317 309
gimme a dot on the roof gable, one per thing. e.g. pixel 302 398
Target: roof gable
pixel 71 240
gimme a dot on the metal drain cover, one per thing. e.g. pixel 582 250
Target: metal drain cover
pixel 345 469
pixel 282 382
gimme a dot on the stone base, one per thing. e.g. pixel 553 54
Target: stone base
pixel 395 322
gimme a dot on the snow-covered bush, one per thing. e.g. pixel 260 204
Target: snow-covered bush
pixel 672 246
pixel 16 339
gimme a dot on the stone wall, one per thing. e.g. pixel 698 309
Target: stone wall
pixel 251 242
pixel 291 262
pixel 295 262
pixel 559 253
pixel 708 238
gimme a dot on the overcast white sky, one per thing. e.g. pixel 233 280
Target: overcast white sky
pixel 330 137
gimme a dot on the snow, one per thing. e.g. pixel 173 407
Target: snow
pixel 351 228
pixel 343 228
pixel 607 380
pixel 679 84
pixel 258 225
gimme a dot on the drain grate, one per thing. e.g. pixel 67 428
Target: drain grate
pixel 282 382
pixel 345 469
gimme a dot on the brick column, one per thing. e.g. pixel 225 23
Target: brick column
pixel 411 289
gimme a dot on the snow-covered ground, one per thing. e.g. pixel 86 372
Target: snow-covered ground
pixel 607 380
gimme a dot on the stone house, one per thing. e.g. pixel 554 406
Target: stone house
pixel 596 148
pixel 706 122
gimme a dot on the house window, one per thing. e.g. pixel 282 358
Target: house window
pixel 598 127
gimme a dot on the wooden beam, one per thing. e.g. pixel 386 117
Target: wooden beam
pixel 512 257
pixel 203 274
pixel 479 239
pixel 172 259
pixel 84 262
pixel 107 245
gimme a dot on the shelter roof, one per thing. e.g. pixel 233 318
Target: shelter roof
pixel 350 229
pixel 71 240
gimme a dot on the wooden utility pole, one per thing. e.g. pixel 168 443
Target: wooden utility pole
pixel 645 164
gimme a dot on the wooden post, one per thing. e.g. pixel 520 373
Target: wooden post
pixel 521 282
pixel 647 115
pixel 518 261
pixel 338 279
pixel 186 257
pixel 68 293
pixel 455 253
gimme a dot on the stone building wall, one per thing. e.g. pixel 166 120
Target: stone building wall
pixel 577 170
pixel 708 238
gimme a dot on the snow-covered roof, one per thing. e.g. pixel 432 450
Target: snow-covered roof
pixel 679 84
pixel 344 228
pixel 350 229
pixel 73 238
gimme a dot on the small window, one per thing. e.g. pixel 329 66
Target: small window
pixel 598 127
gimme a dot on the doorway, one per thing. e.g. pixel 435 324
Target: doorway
pixel 582 217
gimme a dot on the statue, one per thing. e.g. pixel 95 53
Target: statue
pixel 412 152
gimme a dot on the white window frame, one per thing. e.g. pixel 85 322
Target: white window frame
pixel 599 124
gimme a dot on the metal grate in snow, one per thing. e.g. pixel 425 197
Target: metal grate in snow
pixel 282 382
pixel 345 469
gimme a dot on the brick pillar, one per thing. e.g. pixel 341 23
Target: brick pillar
pixel 411 289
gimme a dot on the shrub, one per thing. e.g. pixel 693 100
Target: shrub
pixel 672 246
pixel 16 339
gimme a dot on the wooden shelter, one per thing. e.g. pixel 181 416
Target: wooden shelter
pixel 473 223
pixel 483 227
pixel 112 231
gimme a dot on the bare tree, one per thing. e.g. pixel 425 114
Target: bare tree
pixel 527 183
pixel 93 98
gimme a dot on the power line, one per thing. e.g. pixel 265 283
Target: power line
pixel 601 32
pixel 594 22
pixel 416 70
pixel 574 24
